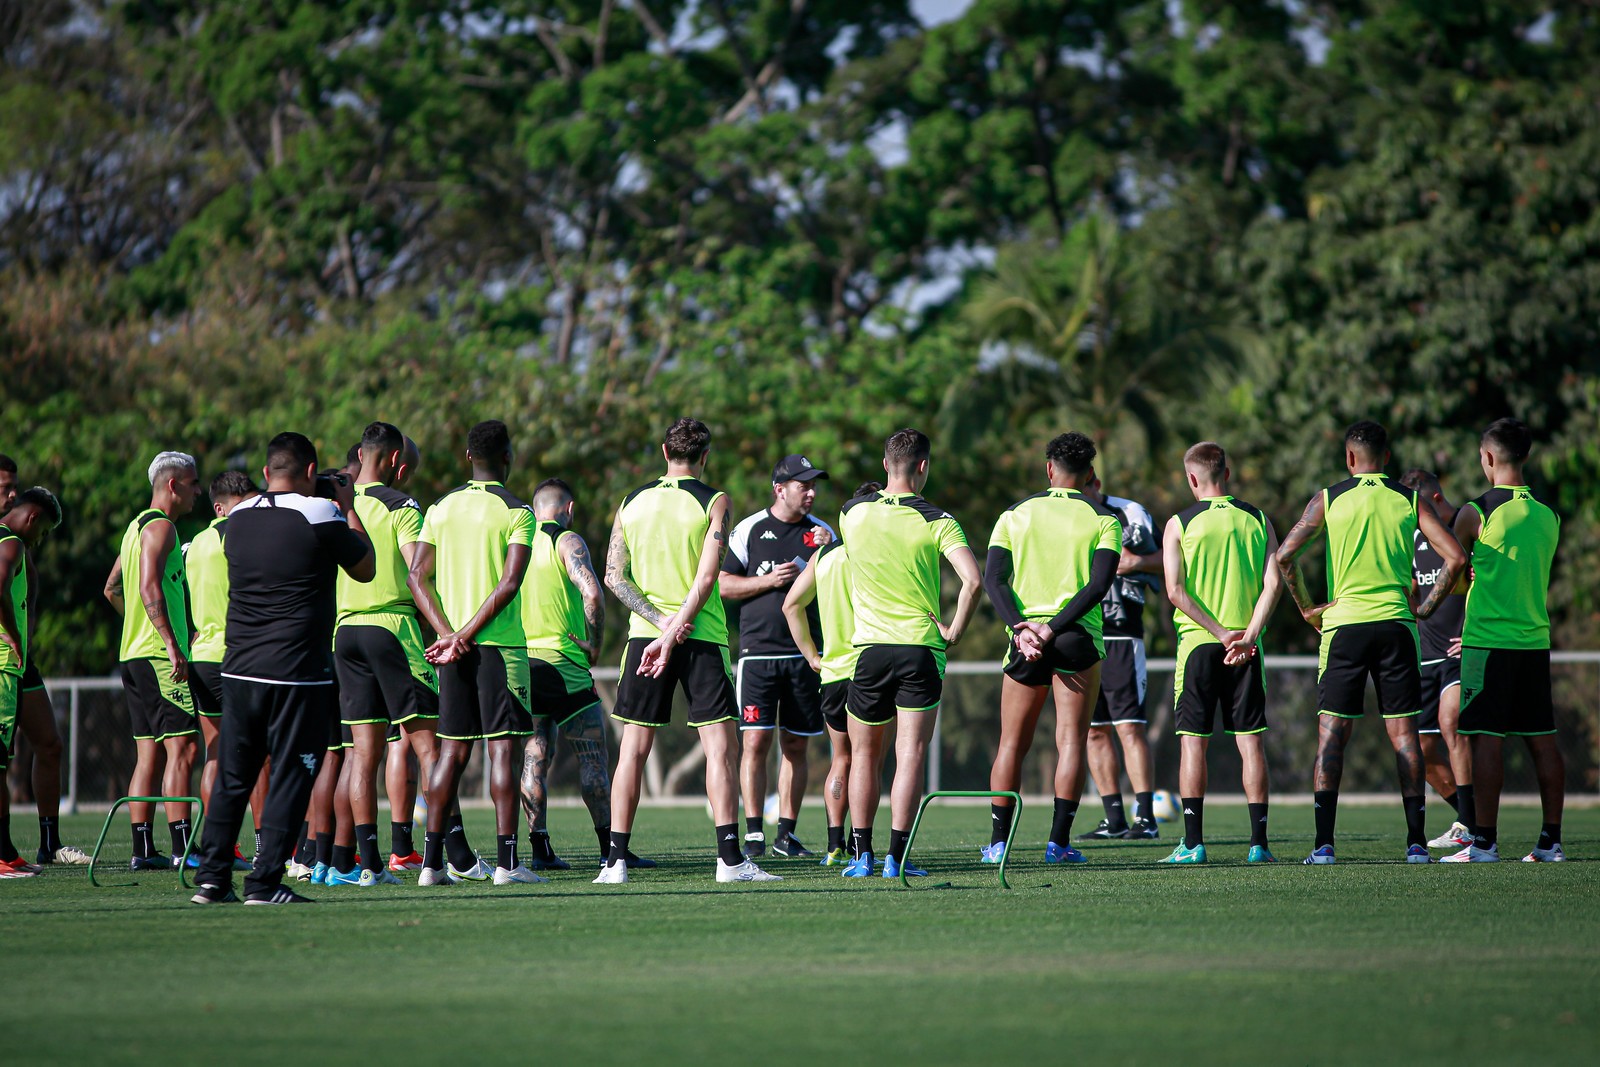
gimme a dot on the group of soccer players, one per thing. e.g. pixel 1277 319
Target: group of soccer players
pixel 841 630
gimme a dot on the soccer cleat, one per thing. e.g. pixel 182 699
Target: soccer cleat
pixel 755 845
pixel 338 877
pixel 192 861
pixel 518 875
pixel 789 847
pixel 239 862
pixel 298 871
pixel 319 873
pixel 1553 854
pixel 1458 836
pixel 1418 854
pixel 892 868
pixel 860 867
pixel 993 853
pixel 434 876
pixel 153 862
pixel 409 862
pixel 839 857
pixel 1184 856
pixel 1054 853
pixel 744 872
pixel 1474 854
pixel 281 895
pixel 554 863
pixel 18 868
pixel 1105 832
pixel 76 857
pixel 478 872
pixel 1259 854
pixel 214 894
pixel 1143 830
pixel 379 877
pixel 1321 856
pixel 638 863
pixel 615 874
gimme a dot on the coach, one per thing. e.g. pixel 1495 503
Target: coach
pixel 284 550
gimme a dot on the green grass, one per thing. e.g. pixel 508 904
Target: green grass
pixel 1115 962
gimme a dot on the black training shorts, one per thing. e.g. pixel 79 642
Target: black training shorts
pixel 379 682
pixel 31 678
pixel 484 694
pixel 205 682
pixel 1385 651
pixel 778 692
pixel 1071 651
pixel 158 707
pixel 1505 692
pixel 835 695
pixel 559 690
pixel 1205 683
pixel 895 678
pixel 699 668
pixel 1437 676
pixel 1123 680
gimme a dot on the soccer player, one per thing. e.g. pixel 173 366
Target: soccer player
pixel 776 691
pixel 478 539
pixel 1505 642
pixel 285 548
pixel 384 678
pixel 1052 559
pixel 32 514
pixel 662 564
pixel 207 569
pixel 827 584
pixel 1223 585
pixel 155 654
pixel 1446 755
pixel 1368 623
pixel 1124 679
pixel 896 539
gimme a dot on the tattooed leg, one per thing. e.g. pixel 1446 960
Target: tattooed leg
pixel 586 733
pixel 1407 755
pixel 1333 734
pixel 535 765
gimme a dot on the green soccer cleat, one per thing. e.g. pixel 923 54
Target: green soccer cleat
pixel 837 858
pixel 1259 854
pixel 1187 856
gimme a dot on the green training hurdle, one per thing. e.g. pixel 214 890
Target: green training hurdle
pixel 1011 831
pixel 182 861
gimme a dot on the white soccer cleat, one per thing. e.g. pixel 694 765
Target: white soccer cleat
pixel 615 874
pixel 518 875
pixel 1474 854
pixel 298 871
pixel 1553 854
pixel 478 872
pixel 77 857
pixel 378 877
pixel 435 876
pixel 744 872
pixel 1458 837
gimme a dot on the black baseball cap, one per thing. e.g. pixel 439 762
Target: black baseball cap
pixel 795 468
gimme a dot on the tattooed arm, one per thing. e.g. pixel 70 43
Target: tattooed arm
pixel 575 554
pixel 156 543
pixel 619 579
pixel 676 629
pixel 1455 557
pixel 1304 531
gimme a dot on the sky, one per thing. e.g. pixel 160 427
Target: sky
pixel 933 12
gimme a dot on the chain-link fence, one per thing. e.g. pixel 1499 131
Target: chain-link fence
pixel 98 751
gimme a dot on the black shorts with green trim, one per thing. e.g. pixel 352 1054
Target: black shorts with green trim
pixel 558 688
pixel 835 696
pixel 205 682
pixel 700 668
pixel 484 694
pixel 1205 683
pixel 1124 679
pixel 10 699
pixel 1505 692
pixel 778 693
pixel 1437 676
pixel 31 679
pixel 382 676
pixel 1072 650
pixel 1384 651
pixel 895 678
pixel 158 707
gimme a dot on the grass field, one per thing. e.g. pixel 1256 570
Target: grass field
pixel 1115 962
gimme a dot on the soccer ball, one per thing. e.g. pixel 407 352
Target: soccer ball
pixel 1166 806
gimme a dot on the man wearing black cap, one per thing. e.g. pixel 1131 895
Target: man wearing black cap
pixel 776 690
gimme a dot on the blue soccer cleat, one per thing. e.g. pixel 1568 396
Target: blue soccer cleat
pixel 1418 854
pixel 860 867
pixel 1259 854
pixel 319 873
pixel 338 877
pixel 1321 856
pixel 1183 856
pixel 892 868
pixel 1054 853
pixel 993 853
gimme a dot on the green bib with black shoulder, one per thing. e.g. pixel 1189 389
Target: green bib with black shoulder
pixel 392 518
pixel 1371 520
pixel 10 661
pixel 838 619
pixel 471 529
pixel 1052 537
pixel 1506 602
pixel 896 541
pixel 139 637
pixel 552 606
pixel 664 525
pixel 1224 563
pixel 207 570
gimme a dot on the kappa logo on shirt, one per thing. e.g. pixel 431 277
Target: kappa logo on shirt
pixel 752 713
pixel 768 535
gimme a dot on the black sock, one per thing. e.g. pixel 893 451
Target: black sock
pixel 305 853
pixel 835 838
pixel 728 845
pixel 1194 818
pixel 752 825
pixel 400 842
pixel 143 839
pixel 1465 810
pixel 1061 823
pixel 506 850
pixel 257 852
pixel 8 851
pixel 1326 803
pixel 539 845
pixel 999 823
pixel 785 829
pixel 1549 835
pixel 603 835
pixel 49 835
pixel 180 836
pixel 898 840
pixel 1416 827
pixel 433 850
pixel 343 858
pixel 325 849
pixel 1258 824
pixel 617 847
pixel 455 843
pixel 1116 818
pixel 367 846
pixel 1452 801
pixel 860 840
pixel 1484 836
pixel 1144 806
